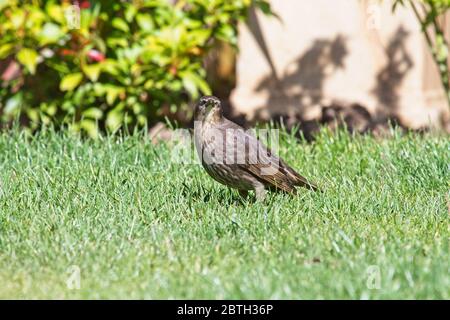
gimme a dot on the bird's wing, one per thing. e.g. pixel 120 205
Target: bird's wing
pixel 299 179
pixel 260 162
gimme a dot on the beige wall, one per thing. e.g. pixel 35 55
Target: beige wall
pixel 345 50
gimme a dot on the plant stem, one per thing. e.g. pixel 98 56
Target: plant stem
pixel 440 62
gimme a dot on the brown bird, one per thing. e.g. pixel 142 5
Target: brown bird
pixel 238 159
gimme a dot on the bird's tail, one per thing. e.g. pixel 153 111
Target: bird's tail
pixel 298 180
pixel 303 182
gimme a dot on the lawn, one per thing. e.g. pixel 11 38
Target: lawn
pixel 134 224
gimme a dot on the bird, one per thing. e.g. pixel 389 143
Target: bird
pixel 237 158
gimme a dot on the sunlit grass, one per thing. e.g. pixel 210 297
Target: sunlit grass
pixel 140 226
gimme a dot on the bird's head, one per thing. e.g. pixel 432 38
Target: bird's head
pixel 208 109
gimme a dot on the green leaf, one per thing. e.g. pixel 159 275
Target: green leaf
pixel 55 11
pixel 50 33
pixel 117 42
pixel 49 108
pixel 200 36
pixel 33 114
pixel 28 58
pixel 227 33
pixel 114 120
pixel 5 50
pixel 110 66
pixel 189 85
pixel 71 81
pixel 441 48
pixel 17 18
pixel 112 92
pixel 92 71
pixel 3 3
pixel 13 104
pixel 149 84
pixel 265 7
pixel 120 24
pixel 192 82
pixel 145 21
pixel 130 12
pixel 93 113
pixel 90 127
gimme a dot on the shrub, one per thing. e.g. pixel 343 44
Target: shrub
pixel 428 13
pixel 127 63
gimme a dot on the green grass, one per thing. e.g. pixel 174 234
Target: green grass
pixel 140 226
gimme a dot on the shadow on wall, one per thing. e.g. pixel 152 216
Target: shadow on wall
pixel 390 78
pixel 300 87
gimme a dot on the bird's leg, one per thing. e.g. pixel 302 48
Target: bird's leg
pixel 243 193
pixel 260 192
